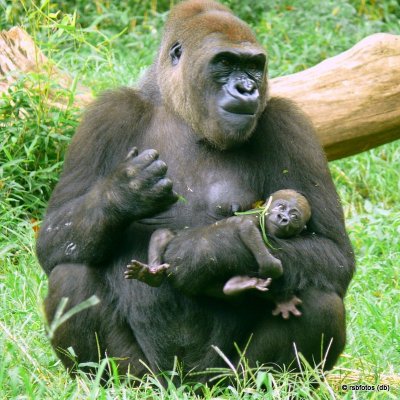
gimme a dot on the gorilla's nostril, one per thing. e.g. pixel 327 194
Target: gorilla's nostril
pixel 245 87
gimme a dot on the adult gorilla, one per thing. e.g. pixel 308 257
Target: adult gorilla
pixel 204 107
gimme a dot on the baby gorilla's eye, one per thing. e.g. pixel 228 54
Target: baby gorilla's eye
pixel 278 207
pixel 294 216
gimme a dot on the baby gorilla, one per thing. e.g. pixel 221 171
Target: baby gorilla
pixel 287 215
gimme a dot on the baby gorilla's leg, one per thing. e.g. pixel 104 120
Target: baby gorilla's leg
pixel 269 266
pixel 153 273
pixel 239 284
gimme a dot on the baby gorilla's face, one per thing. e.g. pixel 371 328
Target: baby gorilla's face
pixel 285 218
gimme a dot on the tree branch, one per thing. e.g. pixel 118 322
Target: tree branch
pixel 352 98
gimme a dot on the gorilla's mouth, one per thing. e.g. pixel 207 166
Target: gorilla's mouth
pixel 279 224
pixel 240 120
pixel 239 103
pixel 240 109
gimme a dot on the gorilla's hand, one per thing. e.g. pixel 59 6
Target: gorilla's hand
pixel 138 187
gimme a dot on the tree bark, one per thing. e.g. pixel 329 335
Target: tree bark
pixel 352 98
pixel 19 55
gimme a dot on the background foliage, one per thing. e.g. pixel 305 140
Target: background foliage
pixel 106 44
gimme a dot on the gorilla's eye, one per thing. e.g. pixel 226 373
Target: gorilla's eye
pixel 175 53
pixel 225 62
pixel 294 216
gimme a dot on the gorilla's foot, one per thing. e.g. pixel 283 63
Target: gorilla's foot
pixel 239 284
pixel 152 275
pixel 287 307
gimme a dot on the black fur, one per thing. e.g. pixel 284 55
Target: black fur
pixel 107 204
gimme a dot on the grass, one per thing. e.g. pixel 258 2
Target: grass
pixel 107 44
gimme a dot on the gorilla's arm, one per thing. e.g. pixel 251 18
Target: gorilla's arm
pixel 203 256
pixel 99 194
pixel 321 257
pixel 313 260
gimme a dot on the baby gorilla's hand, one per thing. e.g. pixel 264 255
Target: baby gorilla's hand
pixel 287 307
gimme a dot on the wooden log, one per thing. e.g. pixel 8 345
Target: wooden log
pixel 19 55
pixel 352 98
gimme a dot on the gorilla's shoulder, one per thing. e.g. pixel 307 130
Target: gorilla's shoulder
pixel 115 113
pixel 285 125
pixel 111 122
pixel 286 117
pixel 118 102
pixel 283 108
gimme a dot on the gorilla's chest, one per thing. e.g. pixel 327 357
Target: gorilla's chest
pixel 209 192
pixel 213 184
pixel 208 199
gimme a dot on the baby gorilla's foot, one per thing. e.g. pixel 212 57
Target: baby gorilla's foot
pixel 239 284
pixel 287 307
pixel 152 275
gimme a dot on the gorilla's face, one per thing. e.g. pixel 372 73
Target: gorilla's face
pixel 213 74
pixel 237 78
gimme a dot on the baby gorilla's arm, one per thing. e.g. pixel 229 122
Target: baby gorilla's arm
pixel 287 307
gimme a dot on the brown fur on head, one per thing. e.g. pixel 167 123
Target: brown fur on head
pixel 203 28
pixel 289 194
pixel 288 213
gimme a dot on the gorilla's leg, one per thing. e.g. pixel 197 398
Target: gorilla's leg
pixel 155 271
pixel 94 332
pixel 319 334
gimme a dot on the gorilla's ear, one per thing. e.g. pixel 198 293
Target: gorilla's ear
pixel 175 53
